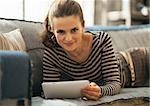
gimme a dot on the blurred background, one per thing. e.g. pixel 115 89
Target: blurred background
pixel 96 12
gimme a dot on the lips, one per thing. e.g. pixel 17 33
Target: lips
pixel 68 44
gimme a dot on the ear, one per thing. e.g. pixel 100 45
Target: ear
pixel 83 23
pixel 46 24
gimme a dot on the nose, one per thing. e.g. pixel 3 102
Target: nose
pixel 68 37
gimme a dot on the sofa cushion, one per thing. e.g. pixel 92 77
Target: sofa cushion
pixel 29 31
pixel 12 41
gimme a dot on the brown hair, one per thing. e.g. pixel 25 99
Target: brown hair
pixel 59 8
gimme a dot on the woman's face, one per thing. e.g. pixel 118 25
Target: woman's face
pixel 68 31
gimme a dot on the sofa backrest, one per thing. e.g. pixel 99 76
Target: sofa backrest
pixel 124 37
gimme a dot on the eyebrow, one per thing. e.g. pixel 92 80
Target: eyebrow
pixel 61 30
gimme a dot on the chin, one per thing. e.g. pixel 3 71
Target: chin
pixel 70 49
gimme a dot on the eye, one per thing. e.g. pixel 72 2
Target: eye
pixel 61 32
pixel 74 30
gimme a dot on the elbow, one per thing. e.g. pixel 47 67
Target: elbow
pixel 118 88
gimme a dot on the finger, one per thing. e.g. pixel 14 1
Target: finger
pixel 90 97
pixel 92 88
pixel 96 94
pixel 92 93
pixel 96 88
pixel 93 84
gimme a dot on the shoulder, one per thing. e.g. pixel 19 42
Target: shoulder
pixel 50 41
pixel 102 35
pixel 99 34
pixel 49 51
pixel 53 51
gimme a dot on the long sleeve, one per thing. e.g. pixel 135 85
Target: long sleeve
pixel 50 70
pixel 110 72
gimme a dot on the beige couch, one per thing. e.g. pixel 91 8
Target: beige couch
pixel 123 38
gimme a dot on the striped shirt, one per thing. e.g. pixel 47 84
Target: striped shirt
pixel 100 67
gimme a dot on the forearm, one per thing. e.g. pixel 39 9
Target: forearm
pixel 110 88
pixel 110 70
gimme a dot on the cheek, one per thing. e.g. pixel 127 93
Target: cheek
pixel 59 38
pixel 79 36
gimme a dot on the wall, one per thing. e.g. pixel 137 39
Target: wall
pixel 101 7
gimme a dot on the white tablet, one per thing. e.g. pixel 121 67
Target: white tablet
pixel 63 89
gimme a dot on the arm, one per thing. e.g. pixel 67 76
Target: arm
pixel 109 68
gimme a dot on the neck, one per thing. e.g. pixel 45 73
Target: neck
pixel 76 52
pixel 81 53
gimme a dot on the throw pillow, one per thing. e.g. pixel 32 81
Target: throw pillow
pixel 12 40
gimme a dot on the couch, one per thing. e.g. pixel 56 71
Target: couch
pixel 123 37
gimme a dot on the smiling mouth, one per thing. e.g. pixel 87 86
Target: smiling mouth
pixel 68 44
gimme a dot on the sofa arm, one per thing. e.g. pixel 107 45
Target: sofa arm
pixel 15 77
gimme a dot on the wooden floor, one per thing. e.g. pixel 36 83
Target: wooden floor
pixel 130 102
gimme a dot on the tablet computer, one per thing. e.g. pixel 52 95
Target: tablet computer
pixel 63 89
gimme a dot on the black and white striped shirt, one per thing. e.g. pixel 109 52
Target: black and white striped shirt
pixel 100 66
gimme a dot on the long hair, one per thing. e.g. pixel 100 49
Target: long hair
pixel 59 8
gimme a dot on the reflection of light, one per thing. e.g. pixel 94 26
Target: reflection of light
pixel 144 11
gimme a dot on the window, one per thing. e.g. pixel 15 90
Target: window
pixel 11 9
pixel 36 10
pixel 88 7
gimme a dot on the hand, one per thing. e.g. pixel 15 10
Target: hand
pixel 91 91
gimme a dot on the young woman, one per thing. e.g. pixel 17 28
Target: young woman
pixel 73 54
